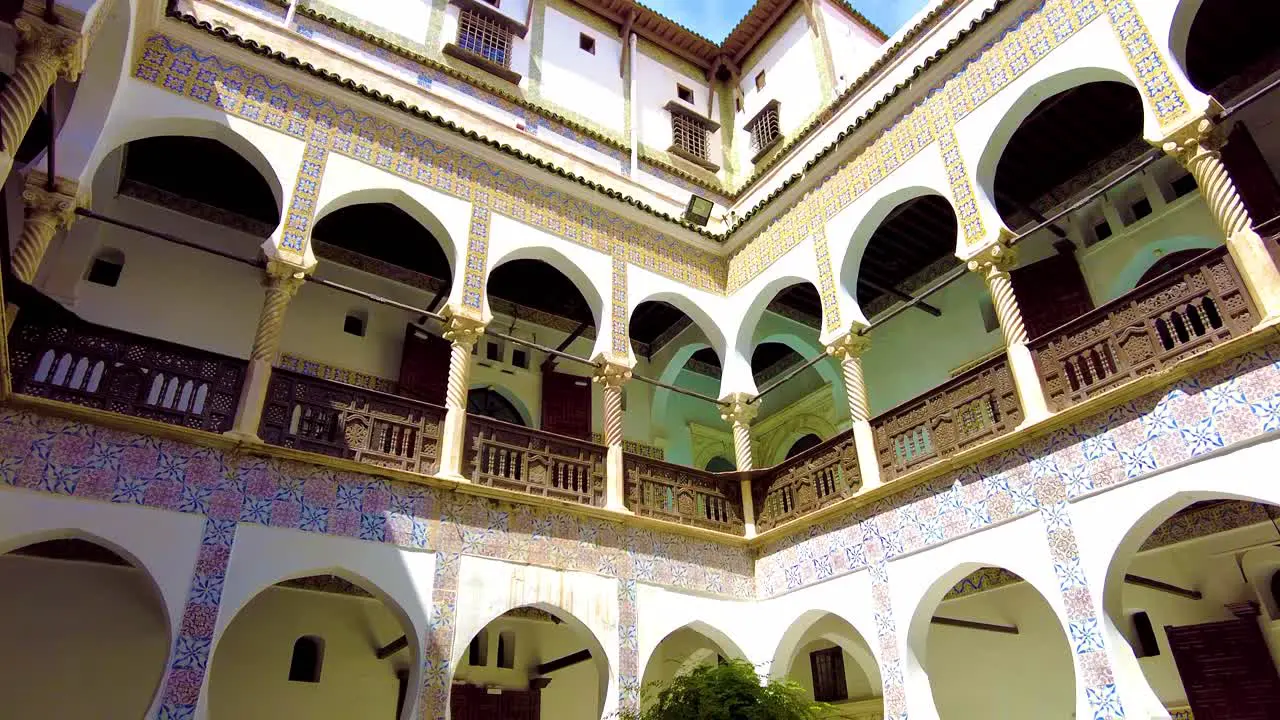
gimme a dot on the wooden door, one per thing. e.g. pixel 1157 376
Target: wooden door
pixel 1050 293
pixel 566 404
pixel 1257 185
pixel 1226 670
pixel 470 702
pixel 424 365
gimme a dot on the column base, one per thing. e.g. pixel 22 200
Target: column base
pixel 864 444
pixel 1026 381
pixel 244 437
pixel 618 508
pixel 1257 267
pixel 455 477
pixel 253 395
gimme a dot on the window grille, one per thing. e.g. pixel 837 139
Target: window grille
pixel 689 135
pixel 764 128
pixel 484 37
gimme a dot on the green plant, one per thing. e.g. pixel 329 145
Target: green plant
pixel 727 691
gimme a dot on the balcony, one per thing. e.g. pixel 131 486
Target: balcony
pixel 820 476
pixel 512 457
pixel 683 495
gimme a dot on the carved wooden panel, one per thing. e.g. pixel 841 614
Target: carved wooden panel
pixel 532 461
pixel 683 495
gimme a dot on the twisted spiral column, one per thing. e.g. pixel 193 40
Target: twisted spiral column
pixel 994 264
pixel 1197 147
pixel 44 51
pixel 462 332
pixel 739 411
pixel 282 282
pixel 848 350
pixel 611 378
pixel 46 212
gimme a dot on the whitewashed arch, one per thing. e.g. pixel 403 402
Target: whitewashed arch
pixel 696 313
pixel 807 424
pixel 1143 257
pixel 510 396
pixel 848 638
pixel 808 350
pixel 713 635
pixel 736 362
pixel 402 200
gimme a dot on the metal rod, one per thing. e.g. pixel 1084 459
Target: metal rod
pixel 673 388
pixel 85 212
pixel 901 296
pixel 975 625
pixel 1163 587
pixel 1249 100
pixel 393 647
pixel 563 662
pixel 790 374
pixel 51 152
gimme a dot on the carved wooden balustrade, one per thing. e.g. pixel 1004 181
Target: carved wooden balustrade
pixel 350 422
pixel 56 355
pixel 517 458
pixel 820 476
pixel 1187 310
pixel 683 495
pixel 967 410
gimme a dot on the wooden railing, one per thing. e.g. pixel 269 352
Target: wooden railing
pixel 818 477
pixel 1183 312
pixel 516 458
pixel 969 409
pixel 683 495
pixel 350 422
pixel 56 355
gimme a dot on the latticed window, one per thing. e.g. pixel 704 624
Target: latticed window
pixel 689 135
pixel 764 128
pixel 485 37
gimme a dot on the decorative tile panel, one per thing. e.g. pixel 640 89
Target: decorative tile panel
pixel 628 647
pixel 476 272
pixel 618 319
pixel 1155 83
pixel 437 666
pixel 826 280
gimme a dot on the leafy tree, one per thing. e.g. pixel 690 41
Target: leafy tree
pixel 728 691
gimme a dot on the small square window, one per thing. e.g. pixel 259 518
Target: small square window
pixel 684 94
pixel 1102 230
pixel 104 272
pixel 760 80
pixel 493 351
pixel 353 324
pixel 1141 209
pixel 1183 185
pixel 586 43
pixel 737 103
pixel 520 358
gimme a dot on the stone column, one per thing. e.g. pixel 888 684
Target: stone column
pixel 44 52
pixel 46 212
pixel 282 282
pixel 462 332
pixel 1197 146
pixel 848 350
pixel 612 378
pixel 994 264
pixel 739 412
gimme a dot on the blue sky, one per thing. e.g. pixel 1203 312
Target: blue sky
pixel 715 18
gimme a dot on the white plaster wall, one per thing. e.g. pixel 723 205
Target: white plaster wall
pixel 853 46
pixel 263 556
pixel 79 639
pixel 791 78
pixel 249 674
pixel 726 624
pixel 655 87
pixel 407 18
pixel 489 588
pixel 590 85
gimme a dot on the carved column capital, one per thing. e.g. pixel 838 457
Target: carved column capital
pixel 612 375
pixel 739 410
pixel 53 47
pixel 283 277
pixel 997 259
pixel 57 206
pixel 1195 137
pixel 848 346
pixel 463 330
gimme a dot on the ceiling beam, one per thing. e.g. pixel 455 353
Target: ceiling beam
pixel 761 30
pixel 392 647
pixel 561 663
pixel 975 625
pixel 902 296
pixel 1163 587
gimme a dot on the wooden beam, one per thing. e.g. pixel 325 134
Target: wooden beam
pixel 901 296
pixel 975 625
pixel 393 647
pixel 1163 587
pixel 562 663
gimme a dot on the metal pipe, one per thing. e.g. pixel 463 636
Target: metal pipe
pixel 1163 587
pixel 790 374
pixel 975 625
pixel 673 388
pixel 51 152
pixel 1250 99
pixel 92 215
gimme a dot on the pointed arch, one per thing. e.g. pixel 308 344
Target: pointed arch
pixel 593 293
pixel 403 201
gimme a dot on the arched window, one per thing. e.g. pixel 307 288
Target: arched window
pixel 355 323
pixel 308 656
pixel 804 443
pixel 1275 588
pixel 720 463
pixel 1169 262
pixel 478 650
pixel 106 267
pixel 490 404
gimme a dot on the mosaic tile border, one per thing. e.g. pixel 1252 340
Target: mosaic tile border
pixel 1155 83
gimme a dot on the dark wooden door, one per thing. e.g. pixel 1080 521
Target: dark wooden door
pixel 424 365
pixel 469 702
pixel 566 404
pixel 1257 184
pixel 1050 293
pixel 1226 670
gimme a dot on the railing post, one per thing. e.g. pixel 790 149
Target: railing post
pixel 45 51
pixel 282 282
pixel 994 264
pixel 848 349
pixel 45 213
pixel 612 378
pixel 739 412
pixel 462 332
pixel 1197 146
